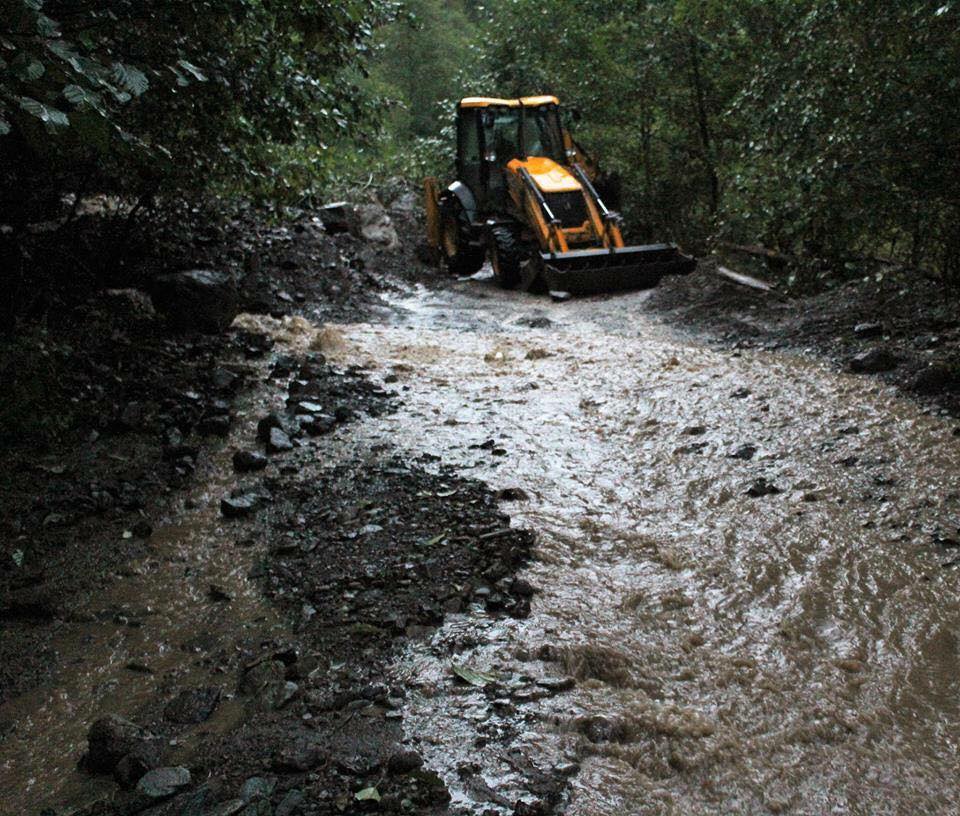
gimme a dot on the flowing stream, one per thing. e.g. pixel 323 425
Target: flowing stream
pixel 746 561
pixel 793 652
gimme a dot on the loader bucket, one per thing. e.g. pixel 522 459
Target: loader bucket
pixel 592 271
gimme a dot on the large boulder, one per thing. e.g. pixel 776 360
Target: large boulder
pixel 198 300
pixel 372 223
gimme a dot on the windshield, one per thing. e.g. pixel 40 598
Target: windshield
pixel 541 133
pixel 501 133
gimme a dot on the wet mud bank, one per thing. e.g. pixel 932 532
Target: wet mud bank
pixel 239 657
pixel 902 329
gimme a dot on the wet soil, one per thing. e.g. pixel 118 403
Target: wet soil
pixel 739 597
pixel 908 317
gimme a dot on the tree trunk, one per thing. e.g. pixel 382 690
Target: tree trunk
pixel 703 123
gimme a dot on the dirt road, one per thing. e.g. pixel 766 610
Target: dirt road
pixel 744 584
pixel 746 560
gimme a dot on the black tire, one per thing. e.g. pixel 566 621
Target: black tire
pixel 460 257
pixel 507 252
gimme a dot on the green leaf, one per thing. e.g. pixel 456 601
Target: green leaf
pixel 192 69
pixel 368 795
pixel 4 126
pixel 133 79
pixel 47 27
pixel 46 114
pixel 34 5
pixel 33 71
pixel 474 678
pixel 17 554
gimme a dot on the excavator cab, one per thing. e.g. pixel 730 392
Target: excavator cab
pixel 524 197
pixel 493 132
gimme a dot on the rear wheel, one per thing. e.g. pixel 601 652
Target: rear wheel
pixel 459 256
pixel 507 252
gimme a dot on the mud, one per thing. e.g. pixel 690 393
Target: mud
pixel 762 632
pixel 725 583
pixel 907 317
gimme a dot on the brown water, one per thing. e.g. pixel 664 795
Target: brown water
pixel 159 618
pixel 792 653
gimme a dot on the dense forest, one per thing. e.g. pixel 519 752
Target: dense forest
pixel 818 130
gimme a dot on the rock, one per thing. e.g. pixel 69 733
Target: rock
pixel 245 461
pixel 343 413
pixel 741 393
pixel 267 682
pixel 229 808
pixel 163 782
pixel 218 594
pixel 309 408
pixel 278 442
pixel 406 203
pixel 127 305
pixel 239 506
pixel 110 739
pixel 131 417
pixel 874 361
pixel 133 766
pixel 299 757
pixel 744 452
pixel 334 217
pixel 371 223
pixel 190 803
pixel 559 297
pixel 198 300
pixel 867 330
pixel 602 729
pixel 522 588
pixel 936 379
pixel 142 529
pixel 267 424
pixel 512 494
pixel 192 706
pixel 216 425
pixel 256 788
pixel 290 803
pixel 535 322
pixel 761 487
pixel 223 379
pixel 404 762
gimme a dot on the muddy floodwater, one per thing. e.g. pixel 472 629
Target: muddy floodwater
pixel 747 571
pixel 746 561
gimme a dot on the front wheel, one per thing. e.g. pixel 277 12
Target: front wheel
pixel 459 256
pixel 507 253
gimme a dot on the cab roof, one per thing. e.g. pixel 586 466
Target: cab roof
pixel 525 101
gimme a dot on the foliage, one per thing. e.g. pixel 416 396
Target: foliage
pixel 819 128
pixel 146 96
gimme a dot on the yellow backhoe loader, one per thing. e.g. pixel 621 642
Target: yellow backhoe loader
pixel 525 197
